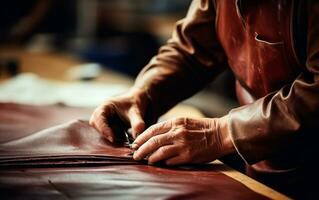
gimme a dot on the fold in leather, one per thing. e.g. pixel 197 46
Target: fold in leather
pixel 17 120
pixel 70 143
pixel 71 138
pixel 72 160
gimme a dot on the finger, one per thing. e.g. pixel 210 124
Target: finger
pixel 154 130
pixel 151 145
pixel 163 153
pixel 106 131
pixel 101 126
pixel 136 121
pixel 177 160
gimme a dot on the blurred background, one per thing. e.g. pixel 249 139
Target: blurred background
pixel 104 41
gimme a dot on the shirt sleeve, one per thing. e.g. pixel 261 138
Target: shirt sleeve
pixel 191 58
pixel 274 123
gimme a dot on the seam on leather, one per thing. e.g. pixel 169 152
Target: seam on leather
pixel 259 39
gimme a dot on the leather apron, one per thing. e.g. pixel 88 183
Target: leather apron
pixel 260 42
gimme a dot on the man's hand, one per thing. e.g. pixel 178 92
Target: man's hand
pixel 127 110
pixel 184 140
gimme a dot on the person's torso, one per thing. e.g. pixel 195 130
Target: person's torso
pixel 258 39
pixel 261 44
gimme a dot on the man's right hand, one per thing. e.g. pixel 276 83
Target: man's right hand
pixel 125 110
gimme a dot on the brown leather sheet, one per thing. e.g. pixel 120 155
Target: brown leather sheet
pixel 72 160
pixel 18 120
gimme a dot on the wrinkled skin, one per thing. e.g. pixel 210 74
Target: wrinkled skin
pixel 176 141
pixel 183 140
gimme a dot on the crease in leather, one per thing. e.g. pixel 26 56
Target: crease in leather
pixel 63 144
pixel 34 167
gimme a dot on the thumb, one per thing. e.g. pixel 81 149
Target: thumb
pixel 136 121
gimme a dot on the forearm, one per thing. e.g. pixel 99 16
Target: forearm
pixel 277 124
pixel 167 85
pixel 190 59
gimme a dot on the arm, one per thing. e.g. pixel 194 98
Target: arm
pixel 189 60
pixel 268 127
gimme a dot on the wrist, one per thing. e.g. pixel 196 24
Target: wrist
pixel 225 137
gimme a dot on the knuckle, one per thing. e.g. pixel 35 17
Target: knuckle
pixel 182 120
pixel 186 120
pixel 155 141
pixel 152 127
pixel 107 111
pixel 155 127
pixel 162 124
pixel 92 121
pixel 94 115
pixel 109 105
pixel 170 137
pixel 177 134
pixel 178 120
pixel 162 151
pixel 181 132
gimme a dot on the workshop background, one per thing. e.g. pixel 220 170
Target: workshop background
pixel 116 35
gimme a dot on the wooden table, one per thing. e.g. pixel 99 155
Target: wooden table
pixel 54 65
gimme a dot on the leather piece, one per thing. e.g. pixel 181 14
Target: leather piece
pixel 42 165
pixel 254 52
pixel 70 143
pixel 72 138
pixel 122 182
pixel 18 120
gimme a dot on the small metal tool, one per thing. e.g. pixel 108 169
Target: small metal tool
pixel 129 140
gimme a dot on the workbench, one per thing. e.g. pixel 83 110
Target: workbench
pixel 41 184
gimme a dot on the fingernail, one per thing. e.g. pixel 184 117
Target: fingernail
pixel 110 139
pixel 135 157
pixel 134 146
